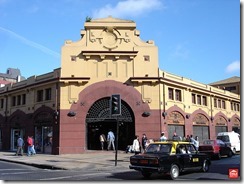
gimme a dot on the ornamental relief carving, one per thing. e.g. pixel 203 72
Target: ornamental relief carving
pixel 221 121
pixel 200 119
pixel 176 118
pixel 236 122
pixel 110 37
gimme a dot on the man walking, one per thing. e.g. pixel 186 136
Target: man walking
pixel 31 149
pixel 110 139
pixel 20 144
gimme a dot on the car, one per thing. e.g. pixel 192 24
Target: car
pixel 167 158
pixel 215 148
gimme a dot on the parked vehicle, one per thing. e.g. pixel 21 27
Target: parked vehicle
pixel 171 158
pixel 232 139
pixel 215 148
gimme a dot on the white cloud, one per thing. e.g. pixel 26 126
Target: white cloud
pixel 30 43
pixel 127 8
pixel 3 2
pixel 180 51
pixel 233 67
pixel 32 9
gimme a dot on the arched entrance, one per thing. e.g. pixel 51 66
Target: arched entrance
pixel 99 121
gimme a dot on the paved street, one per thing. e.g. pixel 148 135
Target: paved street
pixel 94 166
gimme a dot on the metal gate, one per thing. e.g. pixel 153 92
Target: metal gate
pixel 220 129
pixel 99 121
pixel 179 129
pixel 201 131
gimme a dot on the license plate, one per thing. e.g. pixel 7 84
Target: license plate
pixel 195 160
pixel 143 161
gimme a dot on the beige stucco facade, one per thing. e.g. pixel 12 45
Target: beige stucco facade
pixel 72 102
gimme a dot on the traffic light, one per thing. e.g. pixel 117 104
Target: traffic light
pixel 115 105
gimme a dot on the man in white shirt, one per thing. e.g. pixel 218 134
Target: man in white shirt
pixel 110 139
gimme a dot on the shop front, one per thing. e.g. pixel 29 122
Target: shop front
pixel 236 125
pixel 176 122
pixel 201 127
pixel 43 132
pixel 220 125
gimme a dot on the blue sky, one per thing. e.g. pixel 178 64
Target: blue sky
pixel 197 39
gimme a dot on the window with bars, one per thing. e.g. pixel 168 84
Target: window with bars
pixel 48 94
pixel 39 95
pixel 178 95
pixel 238 107
pixel 18 100
pixel 219 103
pixel 215 103
pixel 14 101
pixel 171 93
pixel 193 98
pixel 199 100
pixel 223 104
pixel 204 100
pixel 23 99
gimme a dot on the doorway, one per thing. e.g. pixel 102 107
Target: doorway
pixel 15 133
pixel 43 139
pixel 99 121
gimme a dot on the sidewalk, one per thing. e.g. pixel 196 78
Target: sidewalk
pixel 87 160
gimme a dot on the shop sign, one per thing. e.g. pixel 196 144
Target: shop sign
pixel 221 121
pixel 236 122
pixel 176 118
pixel 200 119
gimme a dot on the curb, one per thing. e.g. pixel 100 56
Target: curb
pixel 42 166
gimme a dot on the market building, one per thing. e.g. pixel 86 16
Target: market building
pixel 67 109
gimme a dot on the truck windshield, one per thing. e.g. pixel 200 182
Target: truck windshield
pixel 224 138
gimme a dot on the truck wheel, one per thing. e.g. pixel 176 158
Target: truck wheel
pixel 146 174
pixel 205 166
pixel 174 171
pixel 230 154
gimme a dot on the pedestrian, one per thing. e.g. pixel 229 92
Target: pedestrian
pixel 192 140
pixel 188 138
pixel 20 144
pixel 136 145
pixel 102 139
pixel 176 137
pixel 196 142
pixel 163 138
pixel 110 140
pixel 144 141
pixel 30 143
pixel 147 143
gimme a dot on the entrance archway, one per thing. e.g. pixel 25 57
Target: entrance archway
pixel 99 121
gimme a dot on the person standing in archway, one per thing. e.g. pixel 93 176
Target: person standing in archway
pixel 136 148
pixel 110 139
pixel 143 142
pixel 102 139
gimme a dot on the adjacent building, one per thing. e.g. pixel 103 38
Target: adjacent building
pixel 231 84
pixel 67 109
